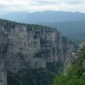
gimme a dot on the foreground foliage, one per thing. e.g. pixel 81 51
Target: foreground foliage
pixel 73 74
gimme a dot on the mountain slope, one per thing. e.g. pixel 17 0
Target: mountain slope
pixel 77 37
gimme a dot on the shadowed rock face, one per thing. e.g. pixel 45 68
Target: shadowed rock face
pixel 3 75
pixel 33 47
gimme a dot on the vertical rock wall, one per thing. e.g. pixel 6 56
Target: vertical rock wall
pixel 26 47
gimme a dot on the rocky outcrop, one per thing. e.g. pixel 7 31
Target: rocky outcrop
pixel 83 65
pixel 33 47
pixel 81 51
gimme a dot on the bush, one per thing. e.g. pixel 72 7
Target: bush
pixel 73 74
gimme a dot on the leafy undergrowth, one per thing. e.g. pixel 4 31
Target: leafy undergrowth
pixel 73 74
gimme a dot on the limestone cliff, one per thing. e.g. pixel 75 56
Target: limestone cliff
pixel 25 46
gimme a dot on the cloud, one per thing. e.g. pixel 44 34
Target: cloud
pixel 58 1
pixel 41 5
pixel 74 1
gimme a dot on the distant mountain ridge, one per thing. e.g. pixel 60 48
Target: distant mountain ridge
pixel 45 16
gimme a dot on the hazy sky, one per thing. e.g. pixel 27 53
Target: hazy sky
pixel 40 5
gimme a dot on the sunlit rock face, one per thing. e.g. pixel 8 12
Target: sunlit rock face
pixel 33 47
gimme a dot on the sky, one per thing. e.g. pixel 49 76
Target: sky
pixel 42 5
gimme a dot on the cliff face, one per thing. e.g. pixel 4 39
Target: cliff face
pixel 33 47
pixel 3 75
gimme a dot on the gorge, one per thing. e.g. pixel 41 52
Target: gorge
pixel 32 54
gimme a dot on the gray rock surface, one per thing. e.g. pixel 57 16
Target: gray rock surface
pixel 3 74
pixel 33 46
